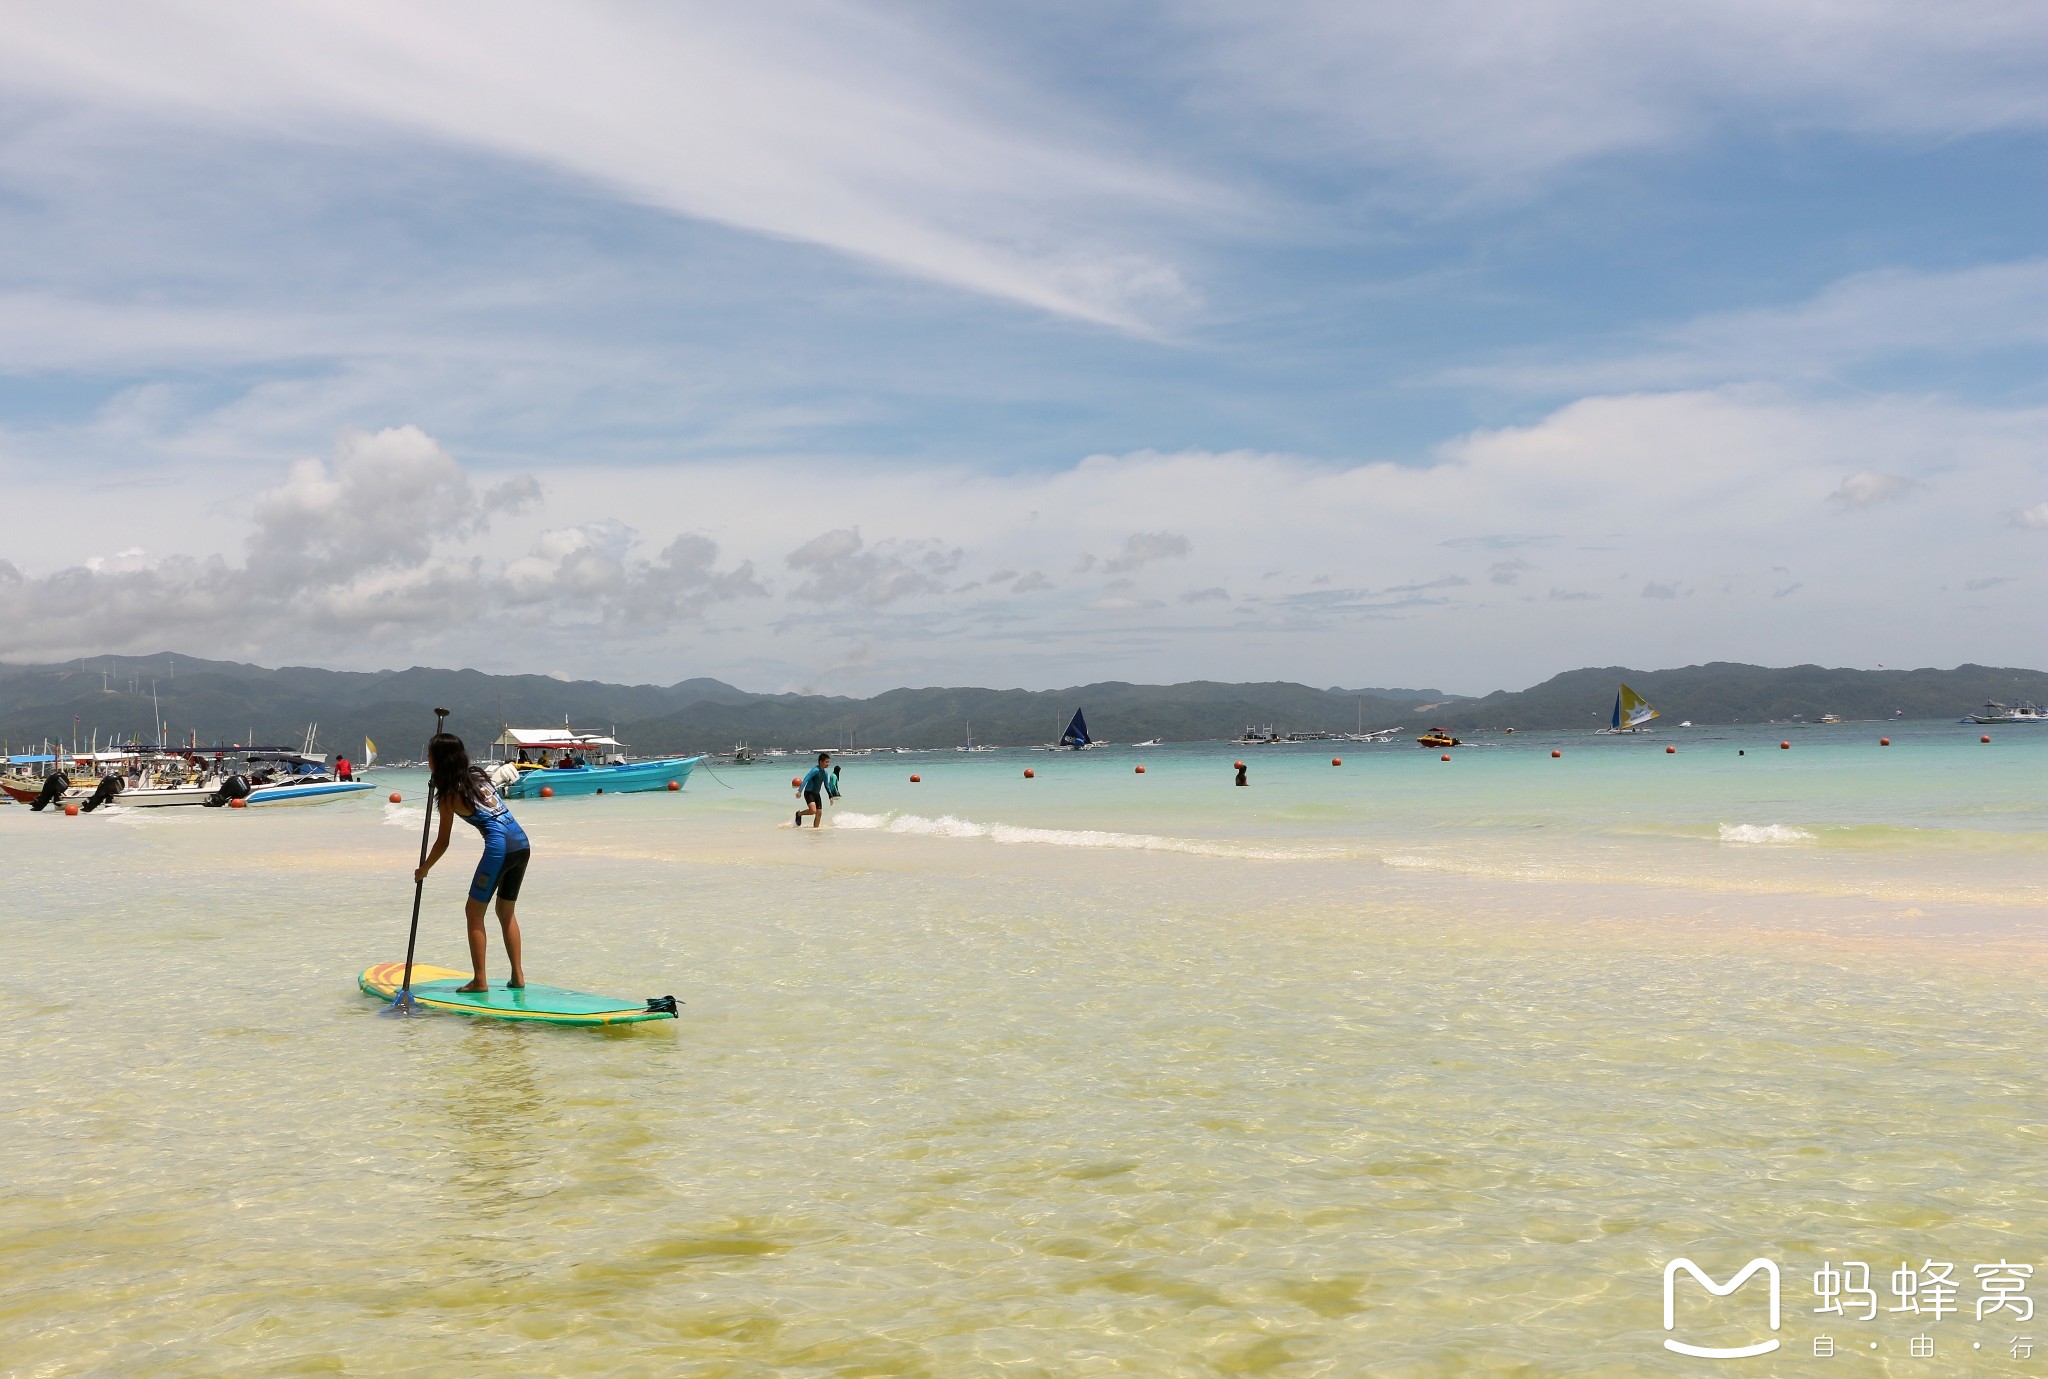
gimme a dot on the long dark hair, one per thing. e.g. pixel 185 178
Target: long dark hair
pixel 449 767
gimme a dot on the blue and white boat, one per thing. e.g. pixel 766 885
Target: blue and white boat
pixel 566 762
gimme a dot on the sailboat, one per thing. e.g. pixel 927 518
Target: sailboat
pixel 1632 713
pixel 1076 738
pixel 971 745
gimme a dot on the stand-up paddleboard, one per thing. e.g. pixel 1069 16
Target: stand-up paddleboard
pixel 435 988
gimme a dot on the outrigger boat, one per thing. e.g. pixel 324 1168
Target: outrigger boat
pixel 1995 712
pixel 566 762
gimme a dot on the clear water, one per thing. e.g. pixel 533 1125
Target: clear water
pixel 1397 1068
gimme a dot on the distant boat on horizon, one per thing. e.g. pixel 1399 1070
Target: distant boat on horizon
pixel 1632 713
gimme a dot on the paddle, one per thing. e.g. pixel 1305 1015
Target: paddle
pixel 403 1003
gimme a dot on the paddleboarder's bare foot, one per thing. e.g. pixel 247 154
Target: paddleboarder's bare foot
pixel 475 987
pixel 516 982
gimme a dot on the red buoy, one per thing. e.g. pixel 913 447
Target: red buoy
pixel 794 782
pixel 915 779
pixel 1029 773
pixel 1237 766
pixel 1336 761
pixel 71 810
pixel 1884 742
pixel 1445 757
pixel 397 798
pixel 232 804
pixel 547 792
pixel 1670 751
pixel 1985 738
pixel 675 785
pixel 1141 770
pixel 1784 746
pixel 1554 754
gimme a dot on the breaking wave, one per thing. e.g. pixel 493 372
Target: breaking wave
pixel 402 816
pixel 1764 833
pixel 952 826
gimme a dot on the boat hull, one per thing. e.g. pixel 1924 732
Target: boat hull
pixel 625 779
pixel 284 792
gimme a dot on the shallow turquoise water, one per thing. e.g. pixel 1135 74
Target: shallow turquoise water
pixel 1398 1068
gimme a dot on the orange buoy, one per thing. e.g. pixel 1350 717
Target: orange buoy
pixel 1884 742
pixel 1555 754
pixel 232 804
pixel 794 782
pixel 1784 746
pixel 1141 770
pixel 1670 751
pixel 915 779
pixel 1985 738
pixel 1029 773
pixel 1336 761
pixel 71 810
pixel 1237 766
pixel 675 785
pixel 547 792
pixel 397 798
pixel 1445 757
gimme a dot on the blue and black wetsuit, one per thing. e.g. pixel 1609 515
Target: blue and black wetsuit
pixel 506 849
pixel 817 783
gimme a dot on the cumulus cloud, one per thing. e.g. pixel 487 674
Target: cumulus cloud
pixel 841 568
pixel 1867 488
pixel 2034 518
pixel 366 547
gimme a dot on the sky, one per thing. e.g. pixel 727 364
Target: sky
pixel 841 346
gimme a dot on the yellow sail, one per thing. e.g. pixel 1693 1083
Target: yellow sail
pixel 1631 710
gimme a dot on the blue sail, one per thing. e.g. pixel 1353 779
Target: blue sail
pixel 1076 734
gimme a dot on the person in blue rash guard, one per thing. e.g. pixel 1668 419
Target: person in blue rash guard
pixel 819 782
pixel 464 790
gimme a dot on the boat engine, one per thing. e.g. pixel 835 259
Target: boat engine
pixel 233 788
pixel 109 787
pixel 54 786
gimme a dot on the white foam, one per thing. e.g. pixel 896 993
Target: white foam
pixel 952 826
pixel 1778 834
pixel 402 816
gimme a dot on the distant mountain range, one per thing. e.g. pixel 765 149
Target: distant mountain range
pixel 228 702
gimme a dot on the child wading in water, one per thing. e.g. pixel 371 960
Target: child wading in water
pixel 463 789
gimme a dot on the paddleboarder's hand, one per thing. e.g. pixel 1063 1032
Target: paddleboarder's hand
pixel 419 874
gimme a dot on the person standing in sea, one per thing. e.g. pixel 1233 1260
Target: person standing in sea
pixel 818 783
pixel 464 790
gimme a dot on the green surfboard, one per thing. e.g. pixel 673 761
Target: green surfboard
pixel 435 989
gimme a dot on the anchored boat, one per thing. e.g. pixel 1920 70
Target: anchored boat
pixel 566 762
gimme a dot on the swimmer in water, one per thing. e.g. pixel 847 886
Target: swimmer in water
pixel 464 790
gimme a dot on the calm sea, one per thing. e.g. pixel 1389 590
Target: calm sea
pixel 1397 1068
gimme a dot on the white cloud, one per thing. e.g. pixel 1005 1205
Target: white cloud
pixel 841 568
pixel 1883 315
pixel 1721 487
pixel 2034 518
pixel 839 125
pixel 1866 487
pixel 365 551
pixel 1503 95
pixel 1143 548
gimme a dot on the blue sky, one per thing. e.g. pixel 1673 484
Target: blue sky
pixel 841 346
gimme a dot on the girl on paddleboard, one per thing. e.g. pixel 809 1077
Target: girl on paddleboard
pixel 464 790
